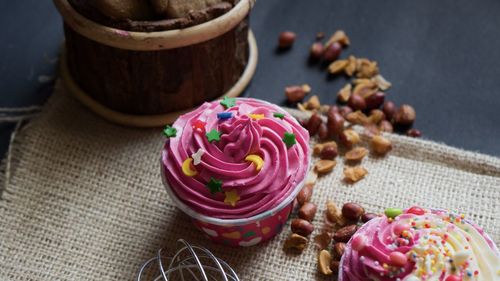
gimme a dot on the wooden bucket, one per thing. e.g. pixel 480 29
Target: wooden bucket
pixel 147 79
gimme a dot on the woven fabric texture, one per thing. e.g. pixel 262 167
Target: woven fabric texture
pixel 84 200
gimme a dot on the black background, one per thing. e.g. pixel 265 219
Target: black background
pixel 443 57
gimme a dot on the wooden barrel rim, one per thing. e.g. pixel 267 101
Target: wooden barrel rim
pixel 159 40
pixel 159 120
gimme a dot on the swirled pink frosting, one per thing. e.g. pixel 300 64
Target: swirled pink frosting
pixel 283 169
pixel 435 246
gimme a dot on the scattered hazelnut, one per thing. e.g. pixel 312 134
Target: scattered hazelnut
pixel 375 100
pixel 302 227
pixel 323 132
pixel 324 166
pixel 345 233
pixel 381 145
pixel 329 152
pixel 317 50
pixel 324 260
pixel 354 174
pixel 339 36
pixel 294 93
pixel 376 116
pixel 337 66
pixel 349 138
pixel 286 39
pixel 386 126
pixel 305 194
pixel 352 211
pixel 332 52
pixel 295 242
pixel 344 94
pixel 414 133
pixel 389 109
pixel 356 102
pixel 313 103
pixel 368 216
pixel 307 211
pixel 335 123
pixel 356 154
pixel 405 115
pixel 313 124
pixel 338 250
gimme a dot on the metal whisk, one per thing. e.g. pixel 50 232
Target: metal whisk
pixel 192 262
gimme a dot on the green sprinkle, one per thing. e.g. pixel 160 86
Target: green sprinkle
pixel 213 135
pixel 249 234
pixel 279 115
pixel 228 102
pixel 393 212
pixel 170 131
pixel 289 139
pixel 214 185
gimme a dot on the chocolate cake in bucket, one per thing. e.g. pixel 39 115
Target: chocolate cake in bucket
pixel 140 66
pixel 235 166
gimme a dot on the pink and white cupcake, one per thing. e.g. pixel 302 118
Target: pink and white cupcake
pixel 419 244
pixel 235 166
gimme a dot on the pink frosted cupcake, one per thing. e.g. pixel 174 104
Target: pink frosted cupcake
pixel 235 166
pixel 419 244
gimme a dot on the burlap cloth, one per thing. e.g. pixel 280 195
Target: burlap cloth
pixel 84 200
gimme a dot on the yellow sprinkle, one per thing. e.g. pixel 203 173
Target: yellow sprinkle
pixel 256 160
pixel 187 168
pixel 256 116
pixel 231 197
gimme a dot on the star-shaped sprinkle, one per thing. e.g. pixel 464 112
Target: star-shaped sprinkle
pixel 231 197
pixel 198 125
pixel 197 156
pixel 289 139
pixel 228 102
pixel 256 116
pixel 279 115
pixel 224 115
pixel 214 185
pixel 170 131
pixel 213 135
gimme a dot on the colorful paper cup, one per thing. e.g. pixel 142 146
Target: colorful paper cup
pixel 239 232
pixel 351 245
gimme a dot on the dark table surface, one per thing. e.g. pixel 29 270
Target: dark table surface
pixel 443 57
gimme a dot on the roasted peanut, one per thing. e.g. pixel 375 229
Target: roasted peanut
pixel 345 233
pixel 294 93
pixel 324 166
pixel 295 242
pixel 380 145
pixel 356 102
pixel 349 138
pixel 286 39
pixel 356 154
pixel 405 115
pixel 354 174
pixel 338 250
pixel 313 124
pixel 324 260
pixel 317 50
pixel 305 194
pixel 389 109
pixel 414 133
pixel 352 211
pixel 307 211
pixel 332 52
pixel 302 227
pixel 368 216
pixel 335 122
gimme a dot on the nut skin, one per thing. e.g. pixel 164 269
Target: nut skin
pixel 338 250
pixel 389 109
pixel 375 101
pixel 286 39
pixel 335 122
pixel 317 50
pixel 302 227
pixel 352 211
pixel 328 152
pixel 295 94
pixel 332 52
pixel 414 133
pixel 313 124
pixel 356 102
pixel 386 126
pixel 345 233
pixel 368 216
pixel 380 145
pixel 305 194
pixel 405 115
pixel 323 132
pixel 307 211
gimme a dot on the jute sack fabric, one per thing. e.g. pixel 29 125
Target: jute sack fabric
pixel 84 200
